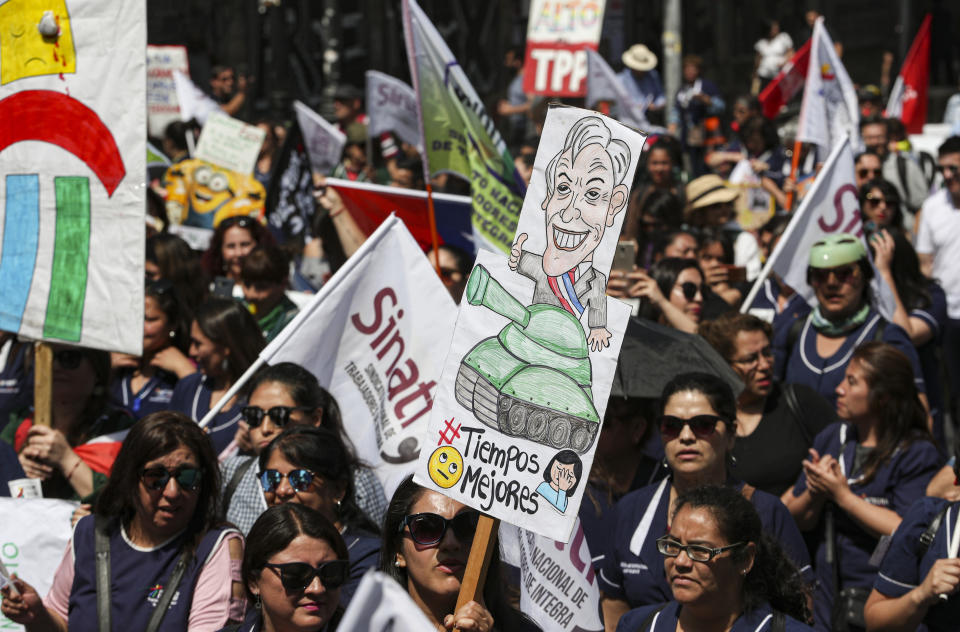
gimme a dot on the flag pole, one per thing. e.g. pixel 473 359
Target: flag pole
pixel 794 165
pixel 43 384
pixel 425 156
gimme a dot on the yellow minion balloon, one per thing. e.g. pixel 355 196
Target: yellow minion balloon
pixel 445 466
pixel 199 193
pixel 35 39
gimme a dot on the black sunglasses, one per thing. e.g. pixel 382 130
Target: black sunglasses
pixel 429 528
pixel 299 479
pixel 280 415
pixel 843 274
pixel 156 478
pixel 947 168
pixel 68 359
pixel 297 576
pixel 702 426
pixel 863 173
pixel 690 289
pixel 876 199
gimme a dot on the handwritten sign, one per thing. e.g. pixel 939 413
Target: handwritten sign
pixel 162 104
pixel 230 143
pixel 558 34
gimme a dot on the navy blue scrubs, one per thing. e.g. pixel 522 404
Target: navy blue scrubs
pixel 154 396
pixel 935 316
pixel 758 620
pixel 191 396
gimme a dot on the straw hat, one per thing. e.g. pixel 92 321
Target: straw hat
pixel 709 190
pixel 639 57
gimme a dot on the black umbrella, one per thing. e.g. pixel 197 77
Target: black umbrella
pixel 652 355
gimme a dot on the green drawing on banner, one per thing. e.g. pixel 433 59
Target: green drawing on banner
pixel 71 253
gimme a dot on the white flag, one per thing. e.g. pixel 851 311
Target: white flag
pixel 831 206
pixel 829 107
pixel 194 102
pixel 376 336
pixel 382 605
pixel 392 107
pixel 324 141
pixel 603 85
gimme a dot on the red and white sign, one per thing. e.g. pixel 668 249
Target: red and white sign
pixel 557 34
pixel 162 103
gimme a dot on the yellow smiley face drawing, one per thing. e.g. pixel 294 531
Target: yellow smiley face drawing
pixel 445 466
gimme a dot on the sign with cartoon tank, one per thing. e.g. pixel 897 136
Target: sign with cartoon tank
pixel 526 381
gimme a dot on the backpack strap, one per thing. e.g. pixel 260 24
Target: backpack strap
pixel 102 548
pixel 168 592
pixel 793 403
pixel 645 624
pixel 793 335
pixel 926 538
pixel 235 482
pixel 881 327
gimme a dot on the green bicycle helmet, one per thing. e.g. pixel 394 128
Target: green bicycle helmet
pixel 836 250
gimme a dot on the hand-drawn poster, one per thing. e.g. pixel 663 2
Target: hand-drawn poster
pixel 528 374
pixel 73 159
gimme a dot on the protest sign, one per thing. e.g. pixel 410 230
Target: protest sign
pixel 324 142
pixel 459 135
pixel 73 155
pixel 382 605
pixel 528 373
pixel 33 553
pixel 558 34
pixel 290 191
pixel 194 102
pixel 202 194
pixel 908 97
pixel 392 107
pixel 162 104
pixel 230 143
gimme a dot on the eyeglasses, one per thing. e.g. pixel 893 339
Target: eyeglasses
pixel 428 528
pixel 297 576
pixel 702 426
pixel 876 199
pixel 280 415
pixel 753 358
pixel 299 479
pixel 68 359
pixel 865 172
pixel 843 274
pixel 690 289
pixel 669 547
pixel 156 478
pixel 944 169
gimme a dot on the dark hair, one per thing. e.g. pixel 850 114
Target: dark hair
pixel 212 259
pixel 176 133
pixel 225 322
pixel 776 225
pixel 665 272
pixel 273 532
pixel 894 399
pixel 912 286
pixel 304 389
pixel 566 457
pixel 773 578
pixel 169 301
pixel 718 393
pixel 710 235
pixel 889 192
pixel 896 128
pixel 98 404
pixel 180 265
pixel 949 146
pixel 664 240
pixel 721 332
pixel 462 259
pixel 321 451
pixel 413 165
pixel 874 119
pixel 266 263
pixel 867 152
pixel 152 437
pixel 763 126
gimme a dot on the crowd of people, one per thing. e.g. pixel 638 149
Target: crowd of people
pixel 822 495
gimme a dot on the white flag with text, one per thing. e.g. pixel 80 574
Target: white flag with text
pixel 392 107
pixel 323 141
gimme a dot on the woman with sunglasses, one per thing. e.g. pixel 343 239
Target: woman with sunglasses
pixel 143 385
pixel 312 467
pixel 281 396
pixel 697 428
pixel 725 573
pixel 814 348
pixel 74 454
pixel 426 543
pixel 863 474
pixel 880 204
pixel 294 567
pixel 155 540
pixel 232 241
pixel 776 423
pixel 672 294
pixel 224 342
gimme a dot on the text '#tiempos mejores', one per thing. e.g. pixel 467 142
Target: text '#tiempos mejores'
pixel 498 482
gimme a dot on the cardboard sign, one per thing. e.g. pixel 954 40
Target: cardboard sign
pixel 230 143
pixel 162 104
pixel 324 141
pixel 558 33
pixel 525 384
pixel 73 159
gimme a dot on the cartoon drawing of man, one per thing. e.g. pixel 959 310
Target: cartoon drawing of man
pixel 561 478
pixel 35 39
pixel 585 191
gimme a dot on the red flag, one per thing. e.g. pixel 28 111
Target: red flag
pixel 787 83
pixel 908 98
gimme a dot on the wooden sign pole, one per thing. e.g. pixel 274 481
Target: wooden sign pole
pixel 475 575
pixel 42 384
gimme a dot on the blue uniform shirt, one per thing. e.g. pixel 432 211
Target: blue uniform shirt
pixel 191 396
pixel 904 568
pixel 758 620
pixel 10 469
pixel 632 567
pixel 895 486
pixel 154 396
pixel 935 316
pixel 363 549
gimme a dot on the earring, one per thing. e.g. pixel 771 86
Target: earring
pixel 733 461
pixel 258 603
pixel 224 365
pixel 339 506
pixel 173 334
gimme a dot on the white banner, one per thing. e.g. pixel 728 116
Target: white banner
pixel 73 158
pixel 375 337
pixel 194 102
pixel 382 605
pixel 603 85
pixel 558 34
pixel 31 552
pixel 527 377
pixel 230 143
pixel 392 107
pixel 162 104
pixel 324 142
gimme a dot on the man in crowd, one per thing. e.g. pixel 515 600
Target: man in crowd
pixel 898 168
pixel 228 90
pixel 642 81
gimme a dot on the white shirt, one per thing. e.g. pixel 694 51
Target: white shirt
pixel 939 235
pixel 773 54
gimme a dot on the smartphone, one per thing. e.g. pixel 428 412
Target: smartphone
pixel 625 256
pixel 736 274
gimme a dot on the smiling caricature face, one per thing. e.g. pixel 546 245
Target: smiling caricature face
pixel 24 51
pixel 585 200
pixel 445 466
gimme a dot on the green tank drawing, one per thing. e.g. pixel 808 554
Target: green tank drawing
pixel 533 379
